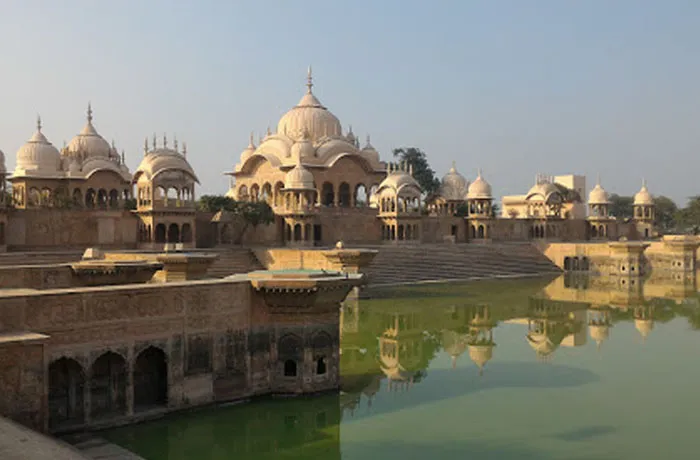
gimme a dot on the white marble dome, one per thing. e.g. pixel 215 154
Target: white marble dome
pixel 369 152
pixel 643 197
pixel 454 186
pixel 299 178
pixel 38 154
pixel 310 115
pixel 303 148
pixel 88 143
pixel 598 195
pixel 399 181
pixel 479 189
pixel 164 160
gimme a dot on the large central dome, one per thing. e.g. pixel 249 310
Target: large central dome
pixel 311 116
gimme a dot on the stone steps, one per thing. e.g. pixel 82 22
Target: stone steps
pixel 405 264
pixel 232 261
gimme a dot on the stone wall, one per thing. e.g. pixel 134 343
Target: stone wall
pixel 62 228
pixel 36 277
pixel 121 353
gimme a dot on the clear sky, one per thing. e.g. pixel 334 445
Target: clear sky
pixel 513 87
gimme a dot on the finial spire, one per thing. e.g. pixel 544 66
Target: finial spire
pixel 154 141
pixel 175 142
pixel 123 157
pixel 38 123
pixel 368 142
pixel 269 132
pixel 89 112
pixel 644 182
pixel 145 145
pixel 184 149
pixel 309 80
pixel 597 179
pixel 478 173
pixel 165 141
pixel 251 144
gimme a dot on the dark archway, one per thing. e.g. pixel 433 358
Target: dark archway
pixel 567 263
pixel 102 198
pixel 290 351
pixel 66 390
pixel 90 198
pixel 113 199
pixel 160 233
pixel 321 365
pixel 173 233
pixel 481 232
pixel 297 232
pixel 344 195
pixel 290 368
pixel 108 385
pixel 186 233
pixel 150 379
pixel 327 194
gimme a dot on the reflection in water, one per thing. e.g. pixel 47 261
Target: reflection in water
pixel 391 344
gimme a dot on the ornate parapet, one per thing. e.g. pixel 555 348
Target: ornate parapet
pixel 183 266
pixel 110 272
pixel 349 260
pixel 301 291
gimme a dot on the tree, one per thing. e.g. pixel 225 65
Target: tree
pixel 689 217
pixel 621 206
pixel 422 171
pixel 251 212
pixel 666 211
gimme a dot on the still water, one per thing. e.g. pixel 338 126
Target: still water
pixel 566 368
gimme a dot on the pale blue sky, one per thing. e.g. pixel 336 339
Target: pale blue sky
pixel 513 87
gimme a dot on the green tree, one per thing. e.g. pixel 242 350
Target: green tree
pixel 252 213
pixel 689 217
pixel 666 211
pixel 422 172
pixel 621 206
pixel 215 203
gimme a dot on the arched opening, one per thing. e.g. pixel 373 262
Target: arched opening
pixel 288 233
pixel 46 198
pixel 290 352
pixel 472 231
pixel 150 379
pixel 173 233
pixel 266 193
pixel 321 365
pixel 344 195
pixel 90 198
pixel 66 387
pixel 327 194
pixel 160 233
pixel 108 385
pixel 102 198
pixel 361 198
pixel 307 232
pixel 278 193
pixel 481 232
pixel 401 235
pixel 186 233
pixel 113 199
pixel 290 368
pixel 594 231
pixel 567 263
pixel 77 197
pixel 297 232
pixel 646 233
pixel 242 193
pixel 254 192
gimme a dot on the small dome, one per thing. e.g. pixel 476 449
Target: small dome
pixel 38 154
pixel 369 152
pixel 598 195
pixel 543 189
pixel 162 160
pixel 479 189
pixel 310 115
pixel 454 343
pixel 644 326
pixel 454 186
pixel 299 178
pixel 248 152
pixel 481 354
pixel 599 332
pixel 643 197
pixel 398 181
pixel 88 143
pixel 303 148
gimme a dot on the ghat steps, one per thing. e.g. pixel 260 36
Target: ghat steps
pixel 441 262
pixel 233 260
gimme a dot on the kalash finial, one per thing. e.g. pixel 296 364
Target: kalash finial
pixel 38 123
pixel 145 145
pixel 165 141
pixel 154 141
pixel 309 80
pixel 184 149
pixel 175 142
pixel 89 112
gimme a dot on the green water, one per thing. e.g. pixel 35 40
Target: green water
pixel 545 388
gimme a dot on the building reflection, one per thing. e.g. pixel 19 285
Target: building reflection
pixel 388 343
